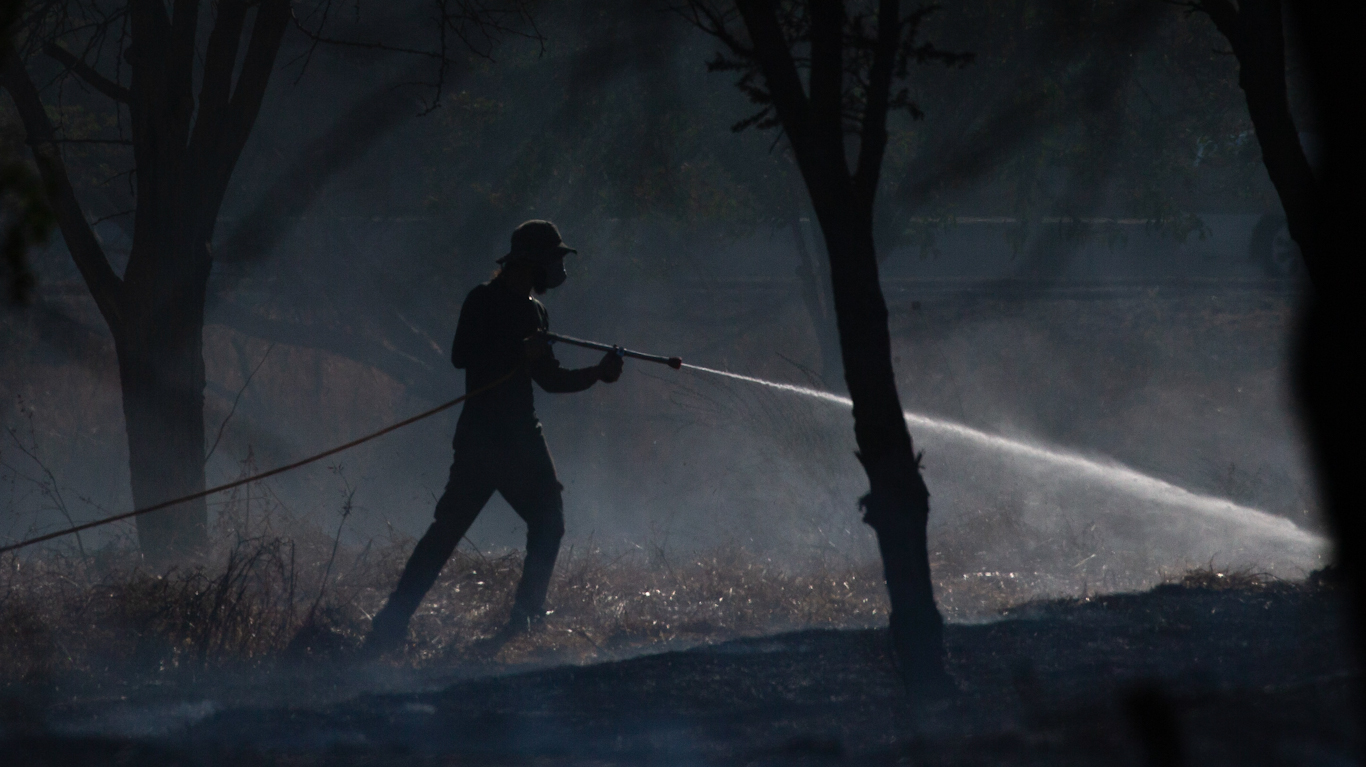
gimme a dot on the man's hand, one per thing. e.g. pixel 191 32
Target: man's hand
pixel 535 347
pixel 609 370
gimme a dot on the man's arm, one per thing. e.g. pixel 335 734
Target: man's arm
pixel 547 373
pixel 546 370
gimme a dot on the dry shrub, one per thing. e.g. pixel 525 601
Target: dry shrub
pixel 243 609
pixel 1223 579
pixel 271 583
pixel 67 615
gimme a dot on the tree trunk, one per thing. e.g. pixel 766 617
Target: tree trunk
pixel 897 505
pixel 1256 32
pixel 813 117
pixel 163 413
pixel 161 370
pixel 184 151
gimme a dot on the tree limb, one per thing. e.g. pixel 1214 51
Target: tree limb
pixel 827 81
pixel 180 54
pixel 154 151
pixel 1256 32
pixel 105 286
pixel 873 142
pixel 87 73
pixel 272 18
pixel 712 22
pixel 215 92
pixel 771 51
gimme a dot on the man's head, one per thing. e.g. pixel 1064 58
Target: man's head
pixel 538 249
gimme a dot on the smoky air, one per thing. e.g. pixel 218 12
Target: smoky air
pixel 716 382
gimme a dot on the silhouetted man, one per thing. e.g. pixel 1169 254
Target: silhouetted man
pixel 498 441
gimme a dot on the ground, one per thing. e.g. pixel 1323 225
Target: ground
pixel 1255 674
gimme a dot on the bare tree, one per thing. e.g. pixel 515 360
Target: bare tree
pixel 1255 30
pixel 188 86
pixel 852 54
pixel 1322 209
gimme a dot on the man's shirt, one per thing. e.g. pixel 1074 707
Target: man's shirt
pixel 494 321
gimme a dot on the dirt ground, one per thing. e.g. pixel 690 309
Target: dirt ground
pixel 1192 673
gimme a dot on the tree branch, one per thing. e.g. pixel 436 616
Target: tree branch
pixel 827 81
pixel 180 57
pixel 712 22
pixel 220 58
pixel 477 24
pixel 1255 31
pixel 771 51
pixel 153 149
pixel 873 142
pixel 87 73
pixel 272 18
pixel 105 286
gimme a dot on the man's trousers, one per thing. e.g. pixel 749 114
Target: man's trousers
pixel 512 459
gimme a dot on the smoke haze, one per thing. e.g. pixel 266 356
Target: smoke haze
pixel 355 227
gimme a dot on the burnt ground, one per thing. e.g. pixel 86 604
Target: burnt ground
pixel 1256 675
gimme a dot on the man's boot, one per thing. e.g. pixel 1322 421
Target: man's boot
pixel 544 531
pixel 388 631
pixel 519 623
pixel 523 621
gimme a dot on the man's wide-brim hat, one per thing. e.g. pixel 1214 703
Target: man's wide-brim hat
pixel 537 241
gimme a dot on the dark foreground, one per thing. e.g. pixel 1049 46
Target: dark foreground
pixel 1248 676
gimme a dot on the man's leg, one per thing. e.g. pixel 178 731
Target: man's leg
pixel 544 529
pixel 535 496
pixel 462 501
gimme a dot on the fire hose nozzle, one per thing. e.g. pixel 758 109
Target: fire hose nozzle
pixel 674 362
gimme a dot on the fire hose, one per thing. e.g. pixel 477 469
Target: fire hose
pixel 673 362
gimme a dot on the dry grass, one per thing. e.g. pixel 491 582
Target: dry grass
pixel 280 588
pixel 602 606
pixel 276 588
pixel 287 592
pixel 259 602
pixel 1223 579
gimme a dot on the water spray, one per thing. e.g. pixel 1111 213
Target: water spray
pixel 1109 473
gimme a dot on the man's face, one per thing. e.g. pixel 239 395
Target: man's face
pixel 550 275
